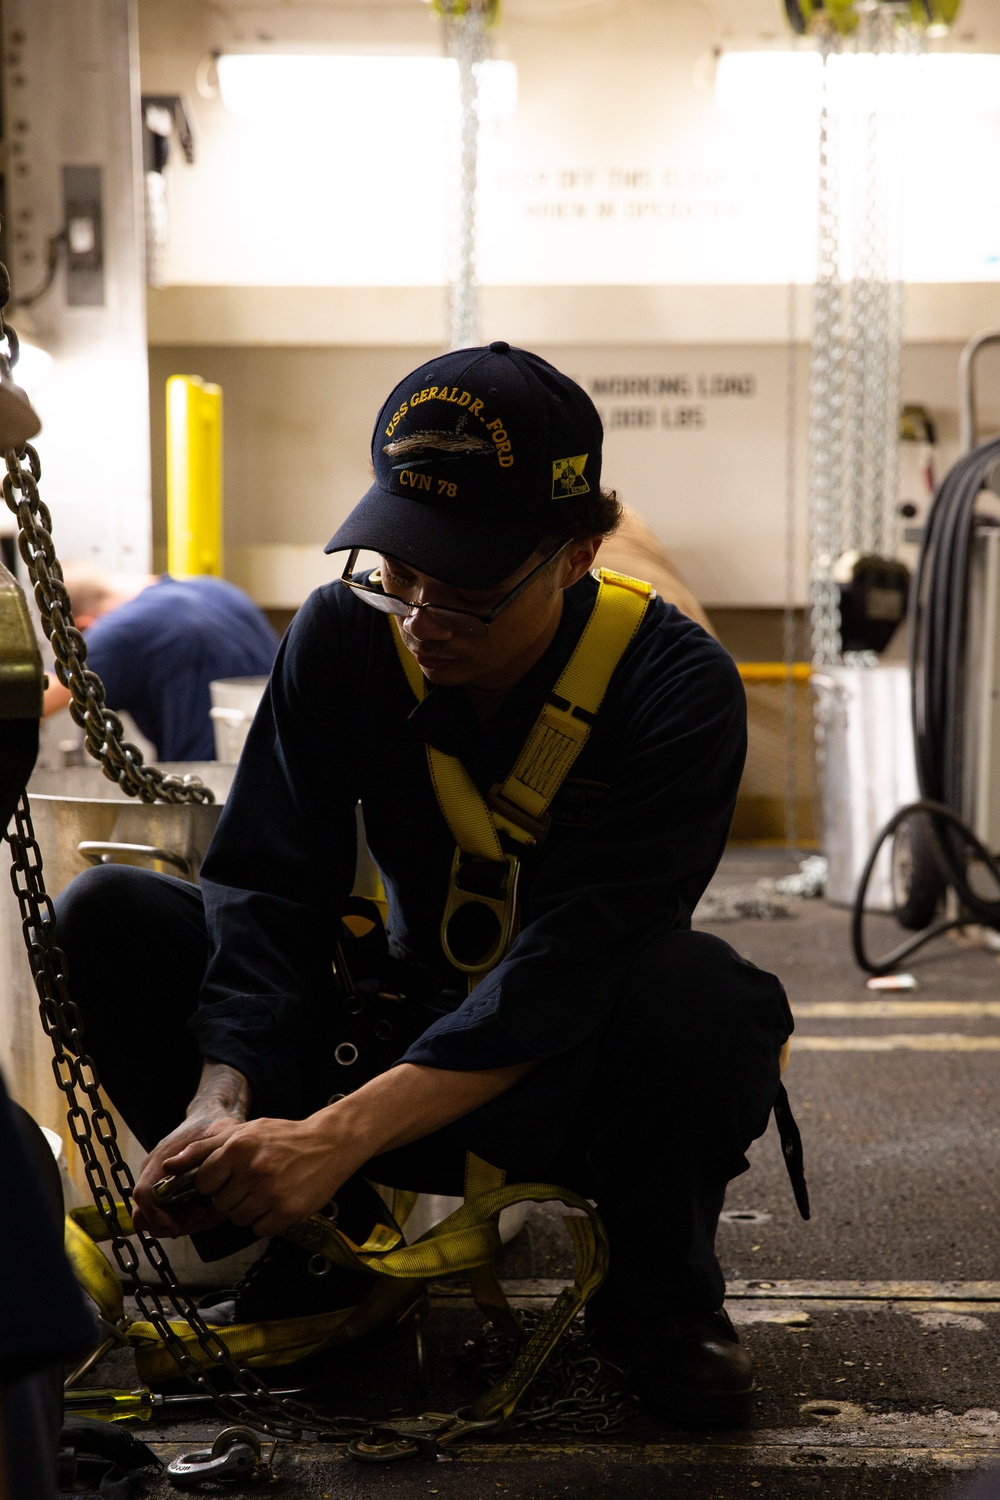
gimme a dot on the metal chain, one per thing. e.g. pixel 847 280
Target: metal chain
pixel 578 1390
pixel 74 1070
pixel 855 376
pixel 465 30
pixel 76 1076
pixel 826 390
pixel 104 736
pixel 583 1392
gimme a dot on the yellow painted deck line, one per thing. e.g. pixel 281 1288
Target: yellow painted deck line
pixel 890 1291
pixel 946 1292
pixel 800 1449
pixel 897 1041
pixel 910 1010
pixel 793 1449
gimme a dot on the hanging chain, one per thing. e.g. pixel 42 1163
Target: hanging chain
pixel 465 33
pixel 104 735
pixel 826 389
pixel 88 1117
pixel 855 376
pixel 575 1390
pixel 74 1070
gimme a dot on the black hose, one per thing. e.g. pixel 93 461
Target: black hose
pixel 939 813
pixel 939 634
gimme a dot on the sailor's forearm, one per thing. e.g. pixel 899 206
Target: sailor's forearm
pixel 409 1102
pixel 221 1090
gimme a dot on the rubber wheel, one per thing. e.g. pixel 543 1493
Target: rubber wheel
pixel 917 884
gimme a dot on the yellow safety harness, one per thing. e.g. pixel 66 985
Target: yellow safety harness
pixel 467 1240
pixel 484 873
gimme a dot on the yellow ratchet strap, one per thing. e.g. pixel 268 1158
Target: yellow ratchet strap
pixel 518 807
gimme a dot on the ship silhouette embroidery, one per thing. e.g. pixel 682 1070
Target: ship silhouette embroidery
pixel 432 442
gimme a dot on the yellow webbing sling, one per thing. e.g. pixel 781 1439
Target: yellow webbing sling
pixel 467 1240
pixel 518 807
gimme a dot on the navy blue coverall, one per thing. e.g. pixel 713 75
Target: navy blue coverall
pixel 656 1047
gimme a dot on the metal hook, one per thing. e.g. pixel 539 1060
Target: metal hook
pixel 234 1455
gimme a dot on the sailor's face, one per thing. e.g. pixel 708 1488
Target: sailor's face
pixel 514 640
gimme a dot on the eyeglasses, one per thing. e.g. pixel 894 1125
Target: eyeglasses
pixel 458 621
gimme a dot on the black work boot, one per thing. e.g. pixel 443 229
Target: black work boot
pixel 283 1284
pixel 289 1282
pixel 687 1367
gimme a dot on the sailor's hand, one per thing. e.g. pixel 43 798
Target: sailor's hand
pixel 197 1137
pixel 269 1174
pixel 221 1103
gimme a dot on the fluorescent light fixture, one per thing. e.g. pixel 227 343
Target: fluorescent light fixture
pixel 789 83
pixel 408 93
pixel 33 364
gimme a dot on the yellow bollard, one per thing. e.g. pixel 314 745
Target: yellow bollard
pixel 194 477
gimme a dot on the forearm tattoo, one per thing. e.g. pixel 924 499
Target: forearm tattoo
pixel 222 1088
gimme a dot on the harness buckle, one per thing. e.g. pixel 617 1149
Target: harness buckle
pixel 536 828
pixel 480 913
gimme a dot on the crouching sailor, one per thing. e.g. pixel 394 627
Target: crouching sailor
pixel 547 762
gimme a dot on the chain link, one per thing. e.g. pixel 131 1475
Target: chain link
pixel 577 1390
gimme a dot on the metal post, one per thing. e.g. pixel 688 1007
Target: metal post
pixel 194 477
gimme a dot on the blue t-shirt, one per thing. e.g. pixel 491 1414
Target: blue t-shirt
pixel 158 653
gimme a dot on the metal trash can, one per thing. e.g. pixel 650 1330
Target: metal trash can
pixel 869 773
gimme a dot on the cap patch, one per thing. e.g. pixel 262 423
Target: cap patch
pixel 436 442
pixel 567 477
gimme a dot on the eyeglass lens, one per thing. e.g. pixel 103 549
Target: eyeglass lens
pixel 454 620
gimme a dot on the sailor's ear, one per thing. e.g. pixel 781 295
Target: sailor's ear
pixel 581 559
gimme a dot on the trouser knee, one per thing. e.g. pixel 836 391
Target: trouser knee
pixel 135 953
pixel 693 1046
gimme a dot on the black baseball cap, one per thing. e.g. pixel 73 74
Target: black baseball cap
pixel 475 455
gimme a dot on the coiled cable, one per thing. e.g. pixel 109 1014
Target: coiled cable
pixel 939 639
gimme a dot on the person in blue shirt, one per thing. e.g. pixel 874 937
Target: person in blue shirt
pixel 611 1049
pixel 157 642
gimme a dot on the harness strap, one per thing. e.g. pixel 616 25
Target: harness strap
pixel 563 726
pixel 519 806
pixel 464 810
